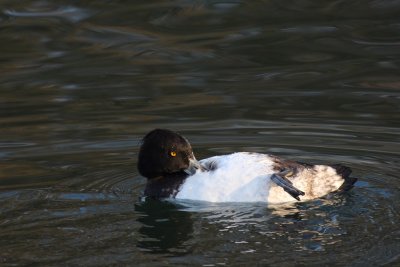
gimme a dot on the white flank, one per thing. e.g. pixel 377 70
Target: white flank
pixel 238 177
pixel 245 177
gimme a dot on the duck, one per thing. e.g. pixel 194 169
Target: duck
pixel 167 160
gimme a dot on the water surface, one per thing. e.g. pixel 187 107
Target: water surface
pixel 82 82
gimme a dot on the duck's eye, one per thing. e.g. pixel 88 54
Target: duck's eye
pixel 172 154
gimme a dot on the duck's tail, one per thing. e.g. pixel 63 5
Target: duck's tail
pixel 345 172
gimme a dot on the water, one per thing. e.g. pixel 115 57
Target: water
pixel 82 81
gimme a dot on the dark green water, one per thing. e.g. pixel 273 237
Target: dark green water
pixel 82 81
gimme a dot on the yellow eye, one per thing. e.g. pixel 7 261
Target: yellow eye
pixel 172 153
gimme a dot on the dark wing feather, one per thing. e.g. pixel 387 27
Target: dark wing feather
pixel 345 172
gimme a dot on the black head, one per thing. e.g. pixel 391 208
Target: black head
pixel 165 152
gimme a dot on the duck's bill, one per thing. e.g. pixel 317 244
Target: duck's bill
pixel 194 165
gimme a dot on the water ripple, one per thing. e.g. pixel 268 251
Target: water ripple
pixel 70 13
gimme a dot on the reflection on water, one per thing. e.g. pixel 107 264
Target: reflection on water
pixel 82 83
pixel 254 232
pixel 164 227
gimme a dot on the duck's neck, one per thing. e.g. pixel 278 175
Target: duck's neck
pixel 165 186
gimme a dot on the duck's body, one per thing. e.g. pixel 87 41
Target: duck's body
pixel 246 177
pixel 237 177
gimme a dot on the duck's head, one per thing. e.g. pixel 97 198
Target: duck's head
pixel 165 152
